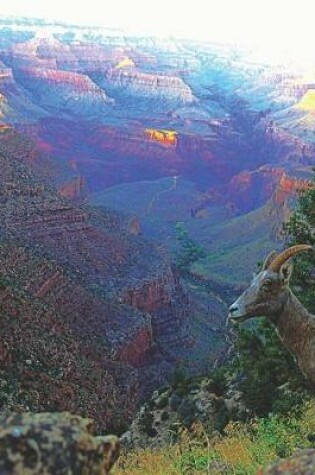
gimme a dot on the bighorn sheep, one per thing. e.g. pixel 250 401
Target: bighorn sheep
pixel 269 295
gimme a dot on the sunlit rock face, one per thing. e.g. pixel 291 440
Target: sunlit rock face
pixel 168 138
pixel 307 103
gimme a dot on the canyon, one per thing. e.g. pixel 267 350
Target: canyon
pixel 108 145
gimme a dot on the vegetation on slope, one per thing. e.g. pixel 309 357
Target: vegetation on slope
pixel 190 251
pixel 300 230
pixel 262 366
pixel 241 450
pixel 280 402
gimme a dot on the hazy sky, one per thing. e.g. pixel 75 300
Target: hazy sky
pixel 273 26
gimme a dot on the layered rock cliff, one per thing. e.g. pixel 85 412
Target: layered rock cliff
pixel 45 51
pixel 65 91
pixel 109 284
pixel 145 85
pixel 261 185
pixel 250 190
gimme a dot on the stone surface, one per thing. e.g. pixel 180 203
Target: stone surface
pixel 53 443
pixel 160 420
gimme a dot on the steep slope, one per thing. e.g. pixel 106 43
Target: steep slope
pixel 45 366
pixel 16 105
pixel 92 267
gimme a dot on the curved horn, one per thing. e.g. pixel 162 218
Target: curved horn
pixel 271 256
pixel 286 254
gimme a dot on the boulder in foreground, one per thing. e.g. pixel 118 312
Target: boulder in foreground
pixel 53 443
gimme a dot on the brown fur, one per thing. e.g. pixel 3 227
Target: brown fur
pixel 269 295
pixel 296 329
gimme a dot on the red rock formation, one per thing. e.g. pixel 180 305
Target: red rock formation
pixel 150 296
pixel 287 144
pixel 137 352
pixel 289 186
pixel 251 189
pixel 73 190
pixel 168 138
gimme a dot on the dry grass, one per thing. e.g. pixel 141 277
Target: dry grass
pixel 147 462
pixel 241 451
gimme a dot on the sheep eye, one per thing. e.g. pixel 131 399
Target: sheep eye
pixel 267 284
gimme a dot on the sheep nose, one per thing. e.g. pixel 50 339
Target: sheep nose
pixel 233 309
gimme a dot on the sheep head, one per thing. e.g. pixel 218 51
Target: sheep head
pixel 267 293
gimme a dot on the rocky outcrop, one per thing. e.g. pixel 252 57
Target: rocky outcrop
pixel 289 186
pixel 25 55
pixel 138 351
pixel 160 420
pixel 165 300
pixel 118 329
pixel 51 443
pixel 48 364
pixel 53 77
pixel 93 57
pixel 150 296
pixel 168 138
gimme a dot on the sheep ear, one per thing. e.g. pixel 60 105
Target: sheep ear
pixel 286 272
pixel 269 259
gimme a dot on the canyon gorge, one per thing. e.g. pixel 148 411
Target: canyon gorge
pixel 109 145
